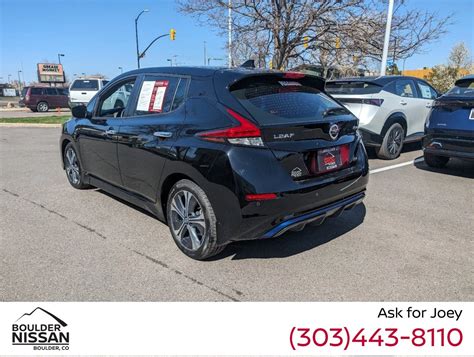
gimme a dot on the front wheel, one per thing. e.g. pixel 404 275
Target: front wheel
pixel 73 169
pixel 392 143
pixel 435 161
pixel 192 221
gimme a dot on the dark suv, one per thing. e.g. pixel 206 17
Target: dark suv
pixel 41 99
pixel 219 154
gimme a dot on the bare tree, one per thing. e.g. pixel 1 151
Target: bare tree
pixel 330 32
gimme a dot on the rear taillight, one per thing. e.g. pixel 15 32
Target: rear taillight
pixel 246 133
pixel 377 102
pixel 294 75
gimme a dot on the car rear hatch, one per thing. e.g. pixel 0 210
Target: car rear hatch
pixel 359 96
pixel 307 131
pixel 82 90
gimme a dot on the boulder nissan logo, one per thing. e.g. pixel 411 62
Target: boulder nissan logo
pixel 334 131
pixel 42 330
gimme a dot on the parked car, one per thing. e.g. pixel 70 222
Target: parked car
pixel 449 130
pixel 392 109
pixel 41 99
pixel 82 90
pixel 220 155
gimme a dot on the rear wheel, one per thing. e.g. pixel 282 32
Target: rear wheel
pixel 392 143
pixel 42 107
pixel 192 221
pixel 435 161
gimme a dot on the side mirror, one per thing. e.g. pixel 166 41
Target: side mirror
pixel 79 111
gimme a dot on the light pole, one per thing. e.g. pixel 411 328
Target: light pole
pixel 170 61
pixel 229 20
pixel 59 57
pixel 9 78
pixel 19 80
pixel 136 35
pixel 383 65
pixel 205 53
pixel 121 70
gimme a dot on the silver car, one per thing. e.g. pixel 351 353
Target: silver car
pixel 391 109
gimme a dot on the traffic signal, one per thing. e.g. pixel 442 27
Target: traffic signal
pixel 338 42
pixel 172 34
pixel 305 41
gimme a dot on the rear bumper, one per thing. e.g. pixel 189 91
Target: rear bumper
pixel 449 146
pixel 317 216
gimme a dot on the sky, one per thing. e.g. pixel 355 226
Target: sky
pixel 98 36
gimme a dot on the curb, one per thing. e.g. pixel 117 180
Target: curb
pixel 29 125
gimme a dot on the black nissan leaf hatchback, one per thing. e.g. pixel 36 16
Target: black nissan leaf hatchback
pixel 220 155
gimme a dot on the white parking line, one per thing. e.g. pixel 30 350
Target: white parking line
pixel 396 166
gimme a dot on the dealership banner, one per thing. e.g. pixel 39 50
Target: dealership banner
pixel 48 328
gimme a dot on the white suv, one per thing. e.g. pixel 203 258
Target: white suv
pixel 82 90
pixel 391 109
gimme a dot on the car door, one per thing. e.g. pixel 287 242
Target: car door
pixel 97 136
pixel 147 135
pixel 427 95
pixel 51 97
pixel 409 104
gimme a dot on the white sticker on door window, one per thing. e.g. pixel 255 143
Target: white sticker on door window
pixel 152 95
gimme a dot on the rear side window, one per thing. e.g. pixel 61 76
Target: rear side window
pixel 23 91
pixel 51 91
pixel 62 91
pixel 405 88
pixel 354 87
pixel 85 85
pixel 426 91
pixel 156 95
pixel 276 100
pixel 36 91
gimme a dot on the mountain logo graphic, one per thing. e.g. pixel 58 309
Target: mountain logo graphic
pixel 42 330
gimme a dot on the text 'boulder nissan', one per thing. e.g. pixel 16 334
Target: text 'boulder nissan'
pixel 220 155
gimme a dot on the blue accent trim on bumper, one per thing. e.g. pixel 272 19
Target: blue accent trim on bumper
pixel 320 213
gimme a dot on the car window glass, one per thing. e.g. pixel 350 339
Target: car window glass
pixel 51 91
pixel 62 91
pixel 85 85
pixel 405 88
pixel 426 91
pixel 156 95
pixel 36 91
pixel 180 94
pixel 114 102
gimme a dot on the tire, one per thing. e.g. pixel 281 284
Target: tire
pixel 34 110
pixel 192 225
pixel 392 143
pixel 42 107
pixel 74 173
pixel 435 161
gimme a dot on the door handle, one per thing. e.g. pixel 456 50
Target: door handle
pixel 402 102
pixel 163 134
pixel 110 132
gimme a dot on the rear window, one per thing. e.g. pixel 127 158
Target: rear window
pixel 277 100
pixel 463 89
pixel 36 91
pixel 23 91
pixel 356 87
pixel 85 84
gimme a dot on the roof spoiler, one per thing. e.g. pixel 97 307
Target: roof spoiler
pixel 248 64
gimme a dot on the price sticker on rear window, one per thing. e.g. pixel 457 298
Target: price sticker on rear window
pixel 152 95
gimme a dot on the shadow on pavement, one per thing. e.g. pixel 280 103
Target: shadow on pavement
pixel 455 167
pixel 293 243
pixel 406 148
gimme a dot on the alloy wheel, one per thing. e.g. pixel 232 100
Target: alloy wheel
pixel 72 167
pixel 395 138
pixel 43 107
pixel 187 220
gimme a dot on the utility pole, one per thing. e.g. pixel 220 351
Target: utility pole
pixel 383 65
pixel 205 53
pixel 19 79
pixel 136 35
pixel 229 20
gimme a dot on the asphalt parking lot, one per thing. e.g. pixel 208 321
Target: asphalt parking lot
pixel 410 241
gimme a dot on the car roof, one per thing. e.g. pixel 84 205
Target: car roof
pixel 380 80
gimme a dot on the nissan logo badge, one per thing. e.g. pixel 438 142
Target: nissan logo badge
pixel 334 131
